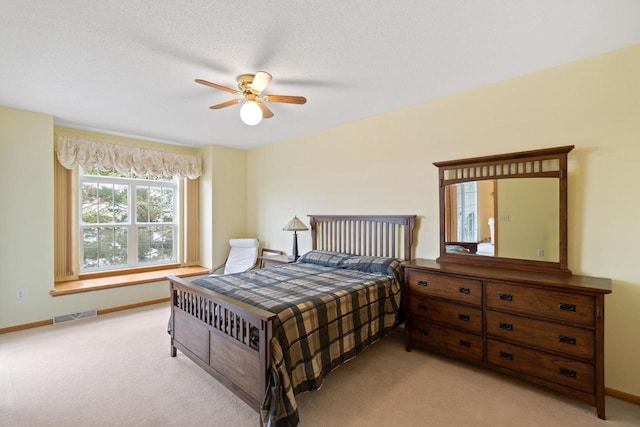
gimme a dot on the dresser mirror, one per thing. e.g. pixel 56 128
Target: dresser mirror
pixel 507 210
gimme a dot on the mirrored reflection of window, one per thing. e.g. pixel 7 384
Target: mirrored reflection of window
pixel 467 212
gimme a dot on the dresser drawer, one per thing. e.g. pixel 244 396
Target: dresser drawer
pixel 557 369
pixel 447 340
pixel 458 315
pixel 554 305
pixel 554 337
pixel 453 288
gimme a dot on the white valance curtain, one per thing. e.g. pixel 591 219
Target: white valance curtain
pixel 72 152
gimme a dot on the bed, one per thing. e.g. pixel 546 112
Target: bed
pixel 270 334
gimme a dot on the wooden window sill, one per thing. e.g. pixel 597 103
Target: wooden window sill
pixel 109 282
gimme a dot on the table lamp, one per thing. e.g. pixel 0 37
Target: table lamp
pixel 295 225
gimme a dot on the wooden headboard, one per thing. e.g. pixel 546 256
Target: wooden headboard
pixel 369 235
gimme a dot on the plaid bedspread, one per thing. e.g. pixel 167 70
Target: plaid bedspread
pixel 325 316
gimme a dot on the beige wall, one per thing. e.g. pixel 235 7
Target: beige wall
pixel 26 214
pixel 223 202
pixel 384 165
pixel 532 208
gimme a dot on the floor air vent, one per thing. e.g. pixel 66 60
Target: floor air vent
pixel 75 316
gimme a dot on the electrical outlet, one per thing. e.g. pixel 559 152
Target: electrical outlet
pixel 504 218
pixel 20 294
pixel 541 252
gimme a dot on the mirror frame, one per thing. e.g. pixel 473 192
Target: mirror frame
pixel 544 163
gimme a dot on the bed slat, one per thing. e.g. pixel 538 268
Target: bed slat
pixel 220 318
pixel 369 235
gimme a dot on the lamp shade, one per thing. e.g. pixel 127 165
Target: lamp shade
pixel 295 225
pixel 251 113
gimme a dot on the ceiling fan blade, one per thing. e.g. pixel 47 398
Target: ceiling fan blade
pixel 260 81
pixel 226 104
pixel 266 113
pixel 217 86
pixel 286 99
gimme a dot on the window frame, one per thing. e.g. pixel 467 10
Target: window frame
pixel 132 225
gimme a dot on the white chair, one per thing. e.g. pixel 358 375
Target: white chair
pixel 243 256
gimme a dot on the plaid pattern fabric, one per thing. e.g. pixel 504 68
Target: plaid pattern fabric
pixel 328 259
pixel 325 316
pixel 374 264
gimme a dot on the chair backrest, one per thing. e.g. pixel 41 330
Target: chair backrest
pixel 242 256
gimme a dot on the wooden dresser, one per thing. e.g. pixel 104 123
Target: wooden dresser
pixel 544 328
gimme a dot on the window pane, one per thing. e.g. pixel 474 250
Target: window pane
pixel 167 205
pixel 167 214
pixel 142 203
pixel 120 253
pixel 167 233
pixel 155 243
pixel 105 203
pixel 164 243
pixel 90 246
pixel 105 256
pixel 143 235
pixel 120 203
pixel 155 204
pixel 104 247
pixel 90 203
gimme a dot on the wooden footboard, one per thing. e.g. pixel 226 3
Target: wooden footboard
pixel 227 338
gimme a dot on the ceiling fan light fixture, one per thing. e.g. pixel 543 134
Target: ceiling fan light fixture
pixel 251 113
pixel 250 86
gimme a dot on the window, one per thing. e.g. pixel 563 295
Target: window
pixel 126 220
pixel 107 223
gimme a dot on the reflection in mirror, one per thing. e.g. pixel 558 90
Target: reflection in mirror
pixel 505 210
pixel 509 218
pixel 469 212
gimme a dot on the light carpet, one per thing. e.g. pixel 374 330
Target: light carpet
pixel 115 370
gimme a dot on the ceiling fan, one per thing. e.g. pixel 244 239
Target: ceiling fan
pixel 250 86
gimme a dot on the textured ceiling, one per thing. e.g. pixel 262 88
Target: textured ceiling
pixel 128 67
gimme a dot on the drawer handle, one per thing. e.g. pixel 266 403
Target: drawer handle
pixel 505 355
pixel 464 317
pixel 464 290
pixel 566 307
pixel 464 343
pixel 423 331
pixel 422 307
pixel 567 372
pixel 567 340
pixel 505 297
pixel 506 326
pixel 422 283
